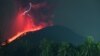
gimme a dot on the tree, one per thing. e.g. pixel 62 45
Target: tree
pixel 98 49
pixel 88 48
pixel 63 49
pixel 46 48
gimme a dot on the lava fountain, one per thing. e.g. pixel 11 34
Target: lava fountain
pixel 25 22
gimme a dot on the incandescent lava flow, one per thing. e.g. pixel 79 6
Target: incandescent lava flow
pixel 26 22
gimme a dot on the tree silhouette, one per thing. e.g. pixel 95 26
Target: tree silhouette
pixel 45 47
pixel 49 48
pixel 63 49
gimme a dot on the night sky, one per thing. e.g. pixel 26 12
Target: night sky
pixel 81 16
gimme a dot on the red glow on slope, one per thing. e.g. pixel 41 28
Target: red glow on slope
pixel 29 20
pixel 23 24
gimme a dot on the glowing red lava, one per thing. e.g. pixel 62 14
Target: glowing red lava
pixel 23 24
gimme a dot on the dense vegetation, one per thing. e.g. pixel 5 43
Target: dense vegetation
pixel 88 48
pixel 49 48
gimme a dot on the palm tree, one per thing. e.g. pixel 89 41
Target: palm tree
pixel 88 48
pixel 63 49
pixel 45 47
pixel 98 49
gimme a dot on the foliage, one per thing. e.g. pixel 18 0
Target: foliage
pixel 45 48
pixel 49 48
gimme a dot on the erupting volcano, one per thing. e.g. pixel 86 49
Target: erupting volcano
pixel 25 22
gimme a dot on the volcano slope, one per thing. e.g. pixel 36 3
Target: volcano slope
pixel 31 40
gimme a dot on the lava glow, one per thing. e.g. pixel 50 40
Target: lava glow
pixel 25 22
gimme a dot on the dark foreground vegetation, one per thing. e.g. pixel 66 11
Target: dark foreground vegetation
pixel 49 48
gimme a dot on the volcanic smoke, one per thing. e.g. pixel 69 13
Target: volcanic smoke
pixel 25 22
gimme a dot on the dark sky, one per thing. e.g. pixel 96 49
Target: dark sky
pixel 82 16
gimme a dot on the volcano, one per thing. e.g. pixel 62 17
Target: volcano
pixel 56 34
